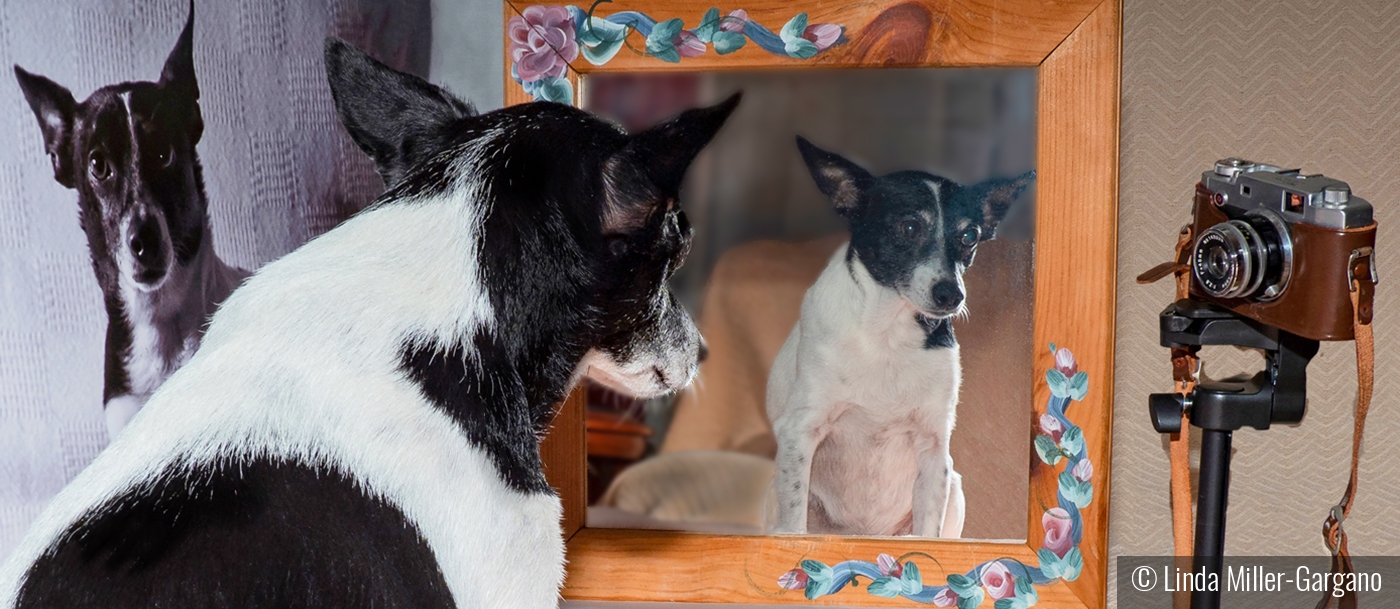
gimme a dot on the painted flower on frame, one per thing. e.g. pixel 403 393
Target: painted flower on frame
pixel 688 44
pixel 998 581
pixel 735 21
pixel 1083 471
pixel 1064 362
pixel 823 35
pixel 542 42
pixel 945 598
pixel 795 579
pixel 889 567
pixel 1058 531
pixel 1051 426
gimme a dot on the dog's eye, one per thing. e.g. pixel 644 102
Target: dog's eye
pixel 909 229
pixel 971 235
pixel 98 165
pixel 165 154
pixel 617 247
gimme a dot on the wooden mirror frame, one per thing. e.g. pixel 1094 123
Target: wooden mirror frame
pixel 1076 46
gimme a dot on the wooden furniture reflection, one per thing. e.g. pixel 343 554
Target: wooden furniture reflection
pixel 616 437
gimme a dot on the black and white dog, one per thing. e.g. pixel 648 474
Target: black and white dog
pixel 863 395
pixel 360 427
pixel 129 152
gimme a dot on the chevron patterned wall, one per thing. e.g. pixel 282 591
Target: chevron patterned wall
pixel 1291 82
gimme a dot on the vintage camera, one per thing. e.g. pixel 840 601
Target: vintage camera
pixel 1278 246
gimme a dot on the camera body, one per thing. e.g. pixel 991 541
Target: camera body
pixel 1278 246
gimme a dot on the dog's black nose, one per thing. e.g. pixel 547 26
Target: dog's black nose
pixel 704 351
pixel 947 295
pixel 146 244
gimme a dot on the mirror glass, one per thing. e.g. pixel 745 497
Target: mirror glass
pixel 907 348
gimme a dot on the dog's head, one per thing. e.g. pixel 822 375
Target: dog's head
pixel 583 226
pixel 129 151
pixel 915 232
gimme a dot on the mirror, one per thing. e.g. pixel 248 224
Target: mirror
pixel 765 234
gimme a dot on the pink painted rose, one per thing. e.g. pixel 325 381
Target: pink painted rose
pixel 822 34
pixel 1051 426
pixel 542 42
pixel 688 44
pixel 889 567
pixel 945 598
pixel 1057 531
pixel 795 579
pixel 735 21
pixel 1064 362
pixel 1083 471
pixel 997 579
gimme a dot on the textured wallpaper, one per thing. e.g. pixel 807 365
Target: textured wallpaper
pixel 1296 83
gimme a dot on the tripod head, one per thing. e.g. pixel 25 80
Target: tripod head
pixel 1277 394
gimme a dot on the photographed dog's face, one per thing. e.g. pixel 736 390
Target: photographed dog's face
pixel 129 151
pixel 583 225
pixel 915 232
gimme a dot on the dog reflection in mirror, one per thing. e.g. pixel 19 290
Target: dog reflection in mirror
pixel 863 394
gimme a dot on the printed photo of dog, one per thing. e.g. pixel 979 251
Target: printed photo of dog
pixel 863 395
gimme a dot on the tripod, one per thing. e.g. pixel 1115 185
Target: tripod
pixel 1277 394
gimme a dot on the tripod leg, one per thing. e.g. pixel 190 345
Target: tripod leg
pixel 1210 514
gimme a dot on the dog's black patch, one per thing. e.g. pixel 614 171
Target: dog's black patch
pixel 938 332
pixel 482 391
pixel 260 533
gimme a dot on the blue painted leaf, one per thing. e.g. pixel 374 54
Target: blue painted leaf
pixel 728 42
pixel 1072 442
pixel 911 582
pixel 1079 386
pixel 817 570
pixel 1047 451
pixel 1050 565
pixel 1010 603
pixel 1059 385
pixel 814 589
pixel 963 585
pixel 887 587
pixel 1025 593
pixel 793 29
pixel 1074 564
pixel 578 15
pixel 972 600
pixel 800 48
pixel 709 26
pixel 555 89
pixel 1052 348
pixel 659 41
pixel 1080 493
pixel 600 40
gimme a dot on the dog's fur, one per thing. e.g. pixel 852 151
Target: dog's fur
pixel 129 152
pixel 361 424
pixel 863 394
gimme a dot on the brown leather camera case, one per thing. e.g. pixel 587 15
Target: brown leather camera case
pixel 1315 303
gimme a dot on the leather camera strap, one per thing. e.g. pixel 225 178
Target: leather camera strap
pixel 1333 535
pixel 1184 368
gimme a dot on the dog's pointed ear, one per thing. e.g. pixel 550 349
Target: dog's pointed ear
pixel 649 169
pixel 837 177
pixel 395 118
pixel 995 197
pixel 54 106
pixel 177 79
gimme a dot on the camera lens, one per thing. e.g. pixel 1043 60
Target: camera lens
pixel 1248 257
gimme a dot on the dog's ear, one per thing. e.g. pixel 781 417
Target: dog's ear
pixel 54 106
pixel 649 169
pixel 837 177
pixel 178 83
pixel 395 118
pixel 994 198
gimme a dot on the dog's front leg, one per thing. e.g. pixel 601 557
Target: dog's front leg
pixel 931 489
pixel 798 431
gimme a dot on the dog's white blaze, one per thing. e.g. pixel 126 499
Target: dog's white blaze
pixel 856 356
pixel 321 386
